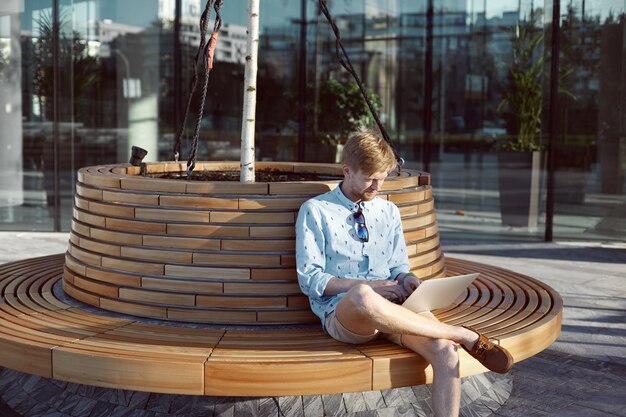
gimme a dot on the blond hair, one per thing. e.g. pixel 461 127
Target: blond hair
pixel 365 151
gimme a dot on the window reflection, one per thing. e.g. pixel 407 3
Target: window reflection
pixel 450 103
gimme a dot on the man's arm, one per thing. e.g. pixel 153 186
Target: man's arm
pixel 310 252
pixel 391 290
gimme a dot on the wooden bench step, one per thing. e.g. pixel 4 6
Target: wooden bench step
pixel 44 335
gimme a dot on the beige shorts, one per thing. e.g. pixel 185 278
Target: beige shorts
pixel 338 332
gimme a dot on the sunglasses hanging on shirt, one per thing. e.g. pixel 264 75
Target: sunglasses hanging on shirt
pixel 361 228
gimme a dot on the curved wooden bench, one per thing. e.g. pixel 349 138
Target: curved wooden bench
pixel 213 252
pixel 42 334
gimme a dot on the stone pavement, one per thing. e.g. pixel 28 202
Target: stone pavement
pixel 582 374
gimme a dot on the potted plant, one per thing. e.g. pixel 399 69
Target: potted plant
pixel 337 111
pixel 520 157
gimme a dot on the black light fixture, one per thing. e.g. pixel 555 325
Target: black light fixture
pixel 137 155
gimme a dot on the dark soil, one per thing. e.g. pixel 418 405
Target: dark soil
pixel 260 176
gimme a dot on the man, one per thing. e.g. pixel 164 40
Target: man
pixel 356 273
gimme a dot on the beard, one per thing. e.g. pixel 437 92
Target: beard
pixel 368 195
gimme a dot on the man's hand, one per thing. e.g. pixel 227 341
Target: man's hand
pixel 409 282
pixel 391 290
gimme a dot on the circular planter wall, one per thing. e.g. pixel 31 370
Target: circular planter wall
pixel 213 252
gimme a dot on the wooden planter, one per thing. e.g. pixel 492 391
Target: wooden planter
pixel 213 252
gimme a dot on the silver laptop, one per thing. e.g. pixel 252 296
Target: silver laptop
pixel 438 292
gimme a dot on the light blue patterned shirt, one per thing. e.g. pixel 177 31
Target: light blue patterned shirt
pixel 327 245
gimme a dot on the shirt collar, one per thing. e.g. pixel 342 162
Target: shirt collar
pixel 345 201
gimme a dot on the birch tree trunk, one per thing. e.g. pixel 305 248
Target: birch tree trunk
pixel 249 94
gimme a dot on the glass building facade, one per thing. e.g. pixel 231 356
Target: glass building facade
pixel 516 107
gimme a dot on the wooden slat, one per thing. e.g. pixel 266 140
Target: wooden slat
pixel 240 302
pixel 270 379
pixel 132 266
pixel 181 242
pixel 116 237
pixel 253 218
pixel 189 216
pixel 211 316
pixel 202 272
pixel 130 198
pixel 111 210
pixel 152 184
pixel 134 226
pixel 271 203
pixel 88 192
pixel 207 230
pixel 258 245
pixel 108 370
pixel 167 298
pixel 198 202
pixel 236 260
pixel 198 287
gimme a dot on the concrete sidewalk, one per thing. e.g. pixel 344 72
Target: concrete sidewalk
pixel 582 374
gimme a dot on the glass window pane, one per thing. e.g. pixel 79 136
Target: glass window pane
pixel 26 179
pixel 591 159
pixel 113 61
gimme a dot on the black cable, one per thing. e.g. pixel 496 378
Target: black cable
pixel 345 62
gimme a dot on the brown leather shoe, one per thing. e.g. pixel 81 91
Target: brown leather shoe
pixel 493 357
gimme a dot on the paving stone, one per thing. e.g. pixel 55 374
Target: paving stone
pixel 67 402
pixel 138 399
pixel 55 414
pixel 366 413
pixel 313 406
pixel 84 407
pixel 268 407
pixel 225 407
pixel 426 407
pixel 333 405
pixel 421 412
pixel 29 383
pixel 247 407
pixel 7 379
pixel 72 387
pixel 290 407
pixel 202 406
pixel 16 399
pixel 121 397
pixel 373 400
pixel 121 411
pixel 102 409
pixel 48 393
pixel 422 392
pixel 23 406
pixel 392 398
pixel 476 410
pixel 406 410
pixel 407 394
pixel 611 401
pixel 387 412
pixel 141 413
pixel 39 410
pixel 181 404
pixel 87 391
pixel 354 402
pixel 160 403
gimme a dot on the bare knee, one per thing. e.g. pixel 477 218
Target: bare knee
pixel 364 300
pixel 443 353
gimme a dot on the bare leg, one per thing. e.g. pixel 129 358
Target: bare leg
pixel 363 311
pixel 444 358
